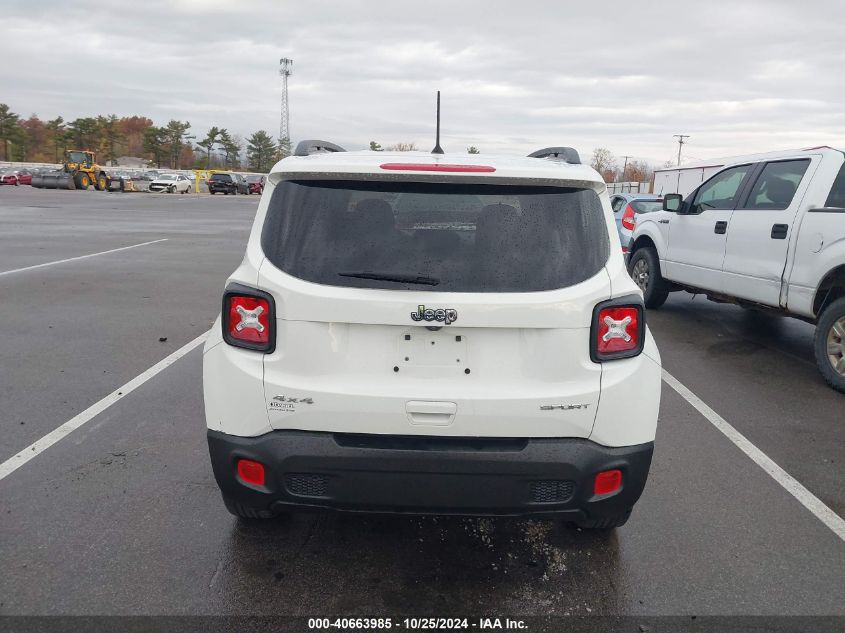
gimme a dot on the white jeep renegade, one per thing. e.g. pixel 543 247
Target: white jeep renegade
pixel 437 334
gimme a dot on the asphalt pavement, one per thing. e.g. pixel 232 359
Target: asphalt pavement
pixel 122 516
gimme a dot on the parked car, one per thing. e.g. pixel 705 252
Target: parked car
pixel 769 233
pixel 626 207
pixel 171 183
pixel 9 178
pixel 256 184
pixel 227 183
pixel 428 305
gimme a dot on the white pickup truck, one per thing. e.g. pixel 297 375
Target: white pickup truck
pixel 767 232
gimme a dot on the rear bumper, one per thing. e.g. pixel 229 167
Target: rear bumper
pixel 428 475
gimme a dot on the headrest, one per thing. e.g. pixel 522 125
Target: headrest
pixel 498 217
pixel 374 214
pixel 780 191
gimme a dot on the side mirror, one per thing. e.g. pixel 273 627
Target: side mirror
pixel 672 202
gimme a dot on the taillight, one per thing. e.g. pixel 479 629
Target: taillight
pixel 248 318
pixel 629 218
pixel 618 329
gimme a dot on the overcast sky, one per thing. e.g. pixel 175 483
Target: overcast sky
pixel 739 76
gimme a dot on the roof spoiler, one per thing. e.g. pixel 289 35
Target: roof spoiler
pixel 313 146
pixel 567 154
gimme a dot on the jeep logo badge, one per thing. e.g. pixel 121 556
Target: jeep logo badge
pixel 446 316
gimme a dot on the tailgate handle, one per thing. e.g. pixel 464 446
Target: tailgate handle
pixel 779 231
pixel 427 412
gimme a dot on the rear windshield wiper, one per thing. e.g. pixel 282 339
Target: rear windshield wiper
pixel 397 277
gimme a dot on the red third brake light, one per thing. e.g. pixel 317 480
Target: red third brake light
pixel 248 320
pixel 438 167
pixel 628 218
pixel 618 332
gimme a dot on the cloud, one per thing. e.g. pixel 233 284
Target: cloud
pixel 739 76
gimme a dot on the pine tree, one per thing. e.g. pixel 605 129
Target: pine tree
pixel 260 151
pixel 57 133
pixel 154 144
pixel 211 139
pixel 175 137
pixel 8 127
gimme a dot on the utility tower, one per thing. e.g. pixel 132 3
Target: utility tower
pixel 285 70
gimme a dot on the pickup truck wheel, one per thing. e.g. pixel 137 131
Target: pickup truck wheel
pixel 645 271
pixel 830 344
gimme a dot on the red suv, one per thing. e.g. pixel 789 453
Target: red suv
pixel 256 184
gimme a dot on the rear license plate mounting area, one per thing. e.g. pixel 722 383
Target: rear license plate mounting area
pixel 423 348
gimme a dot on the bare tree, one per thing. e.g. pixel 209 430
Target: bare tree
pixel 604 162
pixel 402 147
pixel 638 171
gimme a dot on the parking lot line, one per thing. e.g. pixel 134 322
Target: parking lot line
pixel 39 446
pixel 73 259
pixel 787 481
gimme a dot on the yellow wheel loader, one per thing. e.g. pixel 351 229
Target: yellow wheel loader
pixel 79 171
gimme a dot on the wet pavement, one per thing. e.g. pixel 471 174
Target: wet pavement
pixel 123 516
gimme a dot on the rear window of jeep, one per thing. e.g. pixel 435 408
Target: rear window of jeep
pixel 435 236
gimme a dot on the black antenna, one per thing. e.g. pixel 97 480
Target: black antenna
pixel 437 149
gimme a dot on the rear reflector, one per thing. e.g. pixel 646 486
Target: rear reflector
pixel 248 319
pixel 607 481
pixel 251 472
pixel 618 331
pixel 438 167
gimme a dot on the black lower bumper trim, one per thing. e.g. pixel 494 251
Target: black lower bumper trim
pixel 401 474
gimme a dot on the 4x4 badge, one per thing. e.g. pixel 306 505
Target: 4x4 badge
pixel 441 315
